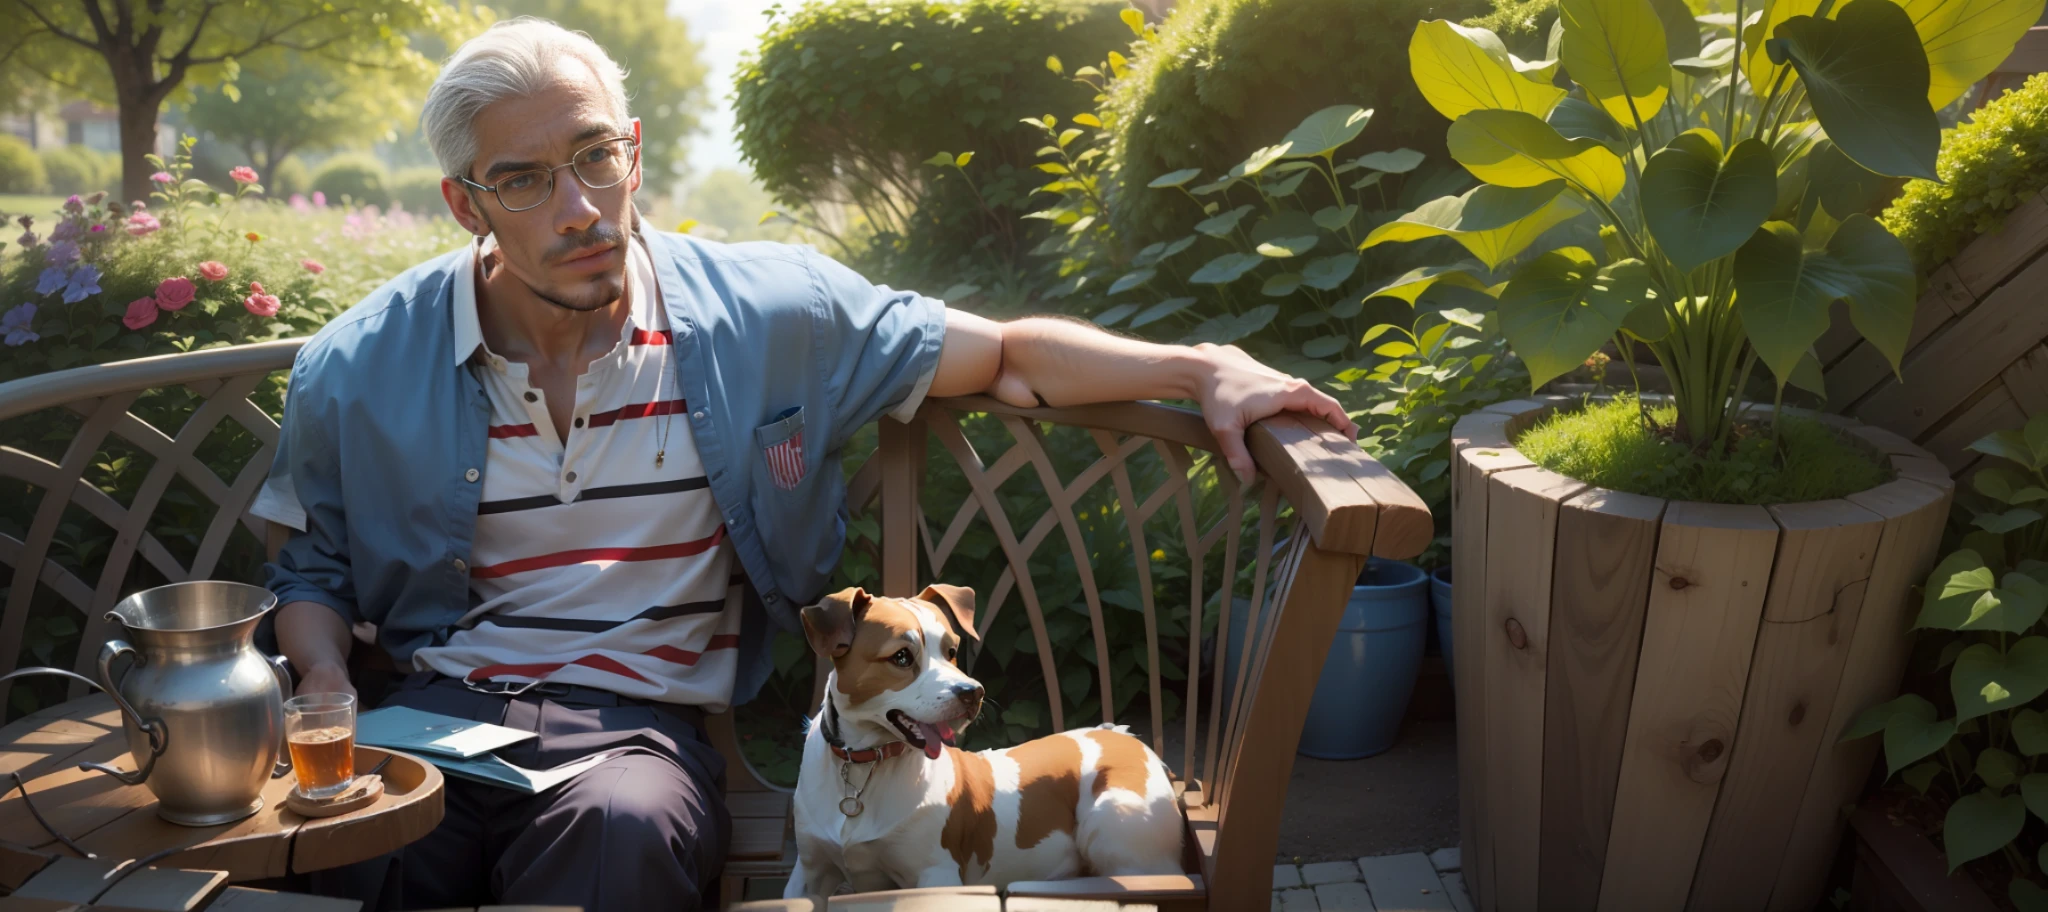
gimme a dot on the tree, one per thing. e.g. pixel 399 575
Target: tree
pixel 664 72
pixel 138 54
pixel 293 104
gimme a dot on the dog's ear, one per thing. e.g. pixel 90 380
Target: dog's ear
pixel 829 624
pixel 958 603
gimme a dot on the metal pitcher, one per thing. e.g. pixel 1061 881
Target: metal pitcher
pixel 203 708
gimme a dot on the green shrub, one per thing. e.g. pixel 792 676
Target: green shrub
pixel 1226 76
pixel 79 169
pixel 357 176
pixel 1987 167
pixel 842 102
pixel 21 170
pixel 288 177
pixel 1523 25
pixel 418 189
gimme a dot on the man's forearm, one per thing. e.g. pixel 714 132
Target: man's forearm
pixel 313 637
pixel 1065 362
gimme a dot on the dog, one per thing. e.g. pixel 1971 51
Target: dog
pixel 885 800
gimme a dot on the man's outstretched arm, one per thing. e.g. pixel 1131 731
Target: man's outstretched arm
pixel 1065 362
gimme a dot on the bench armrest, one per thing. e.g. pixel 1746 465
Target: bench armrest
pixel 1350 501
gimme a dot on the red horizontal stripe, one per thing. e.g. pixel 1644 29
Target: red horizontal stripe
pixel 501 431
pixel 638 410
pixel 686 657
pixel 586 555
pixel 543 669
pixel 658 337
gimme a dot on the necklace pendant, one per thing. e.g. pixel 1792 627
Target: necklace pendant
pixel 850 806
pixel 658 456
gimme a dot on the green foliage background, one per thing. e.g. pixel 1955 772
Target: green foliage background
pixel 1988 166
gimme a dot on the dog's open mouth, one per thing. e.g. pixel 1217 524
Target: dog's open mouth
pixel 930 737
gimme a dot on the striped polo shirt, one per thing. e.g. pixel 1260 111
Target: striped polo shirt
pixel 592 565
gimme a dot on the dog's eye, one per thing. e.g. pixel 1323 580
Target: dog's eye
pixel 901 658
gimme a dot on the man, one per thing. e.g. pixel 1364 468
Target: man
pixel 573 473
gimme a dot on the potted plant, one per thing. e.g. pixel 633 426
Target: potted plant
pixel 1967 758
pixel 1675 605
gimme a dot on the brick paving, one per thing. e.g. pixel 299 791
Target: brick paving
pixel 1412 882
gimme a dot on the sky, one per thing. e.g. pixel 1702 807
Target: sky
pixel 725 28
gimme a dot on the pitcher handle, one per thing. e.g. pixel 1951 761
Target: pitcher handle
pixel 158 735
pixel 281 667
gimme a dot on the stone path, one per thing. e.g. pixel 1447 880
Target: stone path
pixel 1383 883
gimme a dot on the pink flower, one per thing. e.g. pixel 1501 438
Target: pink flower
pixel 213 270
pixel 258 303
pixel 162 177
pixel 175 293
pixel 142 224
pixel 141 313
pixel 313 266
pixel 98 228
pixel 243 175
pixel 319 199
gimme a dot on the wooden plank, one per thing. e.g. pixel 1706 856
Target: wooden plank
pixel 1863 367
pixel 75 802
pixel 1401 524
pixel 1050 904
pixel 410 808
pixel 1481 449
pixel 24 904
pixel 1996 410
pixel 928 899
pixel 1963 357
pixel 1826 551
pixel 899 506
pixel 1521 531
pixel 1914 515
pixel 776 905
pixel 82 880
pixel 254 847
pixel 1339 513
pixel 1988 261
pixel 1606 547
pixel 249 899
pixel 1404 883
pixel 2027 381
pixel 1706 599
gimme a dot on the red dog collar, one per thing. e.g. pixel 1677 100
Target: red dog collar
pixel 869 755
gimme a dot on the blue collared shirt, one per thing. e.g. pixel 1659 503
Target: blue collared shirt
pixel 380 456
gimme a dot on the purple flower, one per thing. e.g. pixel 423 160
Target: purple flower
pixel 27 221
pixel 52 280
pixel 27 239
pixel 74 205
pixel 62 253
pixel 14 324
pixel 98 228
pixel 65 230
pixel 83 283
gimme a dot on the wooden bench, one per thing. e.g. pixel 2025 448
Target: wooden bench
pixel 1294 540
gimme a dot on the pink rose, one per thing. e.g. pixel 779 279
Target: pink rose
pixel 175 293
pixel 258 303
pixel 162 177
pixel 319 199
pixel 213 270
pixel 243 175
pixel 141 313
pixel 142 224
pixel 313 266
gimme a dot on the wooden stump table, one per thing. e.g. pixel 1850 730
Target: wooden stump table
pixel 118 822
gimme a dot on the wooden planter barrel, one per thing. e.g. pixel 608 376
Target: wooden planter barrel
pixel 1651 715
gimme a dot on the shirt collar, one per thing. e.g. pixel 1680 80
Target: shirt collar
pixel 469 330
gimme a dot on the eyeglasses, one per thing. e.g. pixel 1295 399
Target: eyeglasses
pixel 599 166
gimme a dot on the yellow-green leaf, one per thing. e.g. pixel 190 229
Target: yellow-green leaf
pixel 1967 39
pixel 1517 149
pixel 1051 63
pixel 1494 223
pixel 1756 61
pixel 1460 69
pixel 1615 50
pixel 1134 20
pixel 961 160
pixel 1088 120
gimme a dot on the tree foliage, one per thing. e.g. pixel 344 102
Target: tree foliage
pixel 292 103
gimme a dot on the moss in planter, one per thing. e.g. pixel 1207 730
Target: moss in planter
pixel 1607 444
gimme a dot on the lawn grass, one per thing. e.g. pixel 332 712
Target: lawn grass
pixel 38 205
pixel 1608 444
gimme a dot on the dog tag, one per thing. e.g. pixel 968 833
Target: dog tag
pixel 850 806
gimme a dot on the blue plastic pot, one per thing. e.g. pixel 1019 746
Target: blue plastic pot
pixel 1440 603
pixel 1370 674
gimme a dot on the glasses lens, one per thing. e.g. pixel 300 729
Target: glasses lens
pixel 605 164
pixel 525 189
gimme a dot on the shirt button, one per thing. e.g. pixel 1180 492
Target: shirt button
pixel 571 477
pixel 579 422
pixel 698 414
pixel 471 475
pixel 530 397
pixel 459 566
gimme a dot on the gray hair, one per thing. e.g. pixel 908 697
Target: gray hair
pixel 510 59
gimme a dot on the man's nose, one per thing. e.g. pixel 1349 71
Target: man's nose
pixel 969 696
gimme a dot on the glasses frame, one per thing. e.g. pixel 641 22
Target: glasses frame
pixel 492 189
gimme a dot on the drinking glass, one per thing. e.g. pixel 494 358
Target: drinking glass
pixel 321 730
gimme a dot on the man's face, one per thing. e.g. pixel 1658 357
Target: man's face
pixel 571 249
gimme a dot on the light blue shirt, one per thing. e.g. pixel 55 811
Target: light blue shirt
pixel 380 457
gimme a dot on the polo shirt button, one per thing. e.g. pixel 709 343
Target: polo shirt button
pixel 698 414
pixel 471 475
pixel 459 566
pixel 530 397
pixel 579 422
pixel 571 477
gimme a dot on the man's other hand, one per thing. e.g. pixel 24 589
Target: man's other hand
pixel 1238 392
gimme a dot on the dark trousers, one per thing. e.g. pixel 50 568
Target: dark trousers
pixel 644 830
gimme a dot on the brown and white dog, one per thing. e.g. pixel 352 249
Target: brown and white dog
pixel 885 800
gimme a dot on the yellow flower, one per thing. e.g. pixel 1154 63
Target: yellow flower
pixel 253 237
pixel 1159 554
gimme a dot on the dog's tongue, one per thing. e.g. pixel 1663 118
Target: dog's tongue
pixel 935 738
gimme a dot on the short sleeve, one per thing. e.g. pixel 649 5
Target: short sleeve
pixel 884 346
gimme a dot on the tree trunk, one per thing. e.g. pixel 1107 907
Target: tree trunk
pixel 138 138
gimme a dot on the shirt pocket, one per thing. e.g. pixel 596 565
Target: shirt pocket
pixel 781 445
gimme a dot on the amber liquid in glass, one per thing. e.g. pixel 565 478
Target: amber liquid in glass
pixel 324 759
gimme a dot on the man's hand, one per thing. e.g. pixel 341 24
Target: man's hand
pixel 326 678
pixel 1238 392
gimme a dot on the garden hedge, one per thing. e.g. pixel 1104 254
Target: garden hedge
pixel 1228 76
pixel 79 169
pixel 21 170
pixel 356 176
pixel 1987 166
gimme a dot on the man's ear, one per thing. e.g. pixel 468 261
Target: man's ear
pixel 958 603
pixel 829 623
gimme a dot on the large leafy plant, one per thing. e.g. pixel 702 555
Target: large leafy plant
pixel 1985 760
pixel 1716 164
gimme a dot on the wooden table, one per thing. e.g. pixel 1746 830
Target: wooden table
pixel 939 899
pixel 118 822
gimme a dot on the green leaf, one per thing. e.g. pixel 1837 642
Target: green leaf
pixel 1882 297
pixel 1494 223
pixel 2030 732
pixel 1873 720
pixel 1174 178
pixel 1326 273
pixel 1997 768
pixel 1288 186
pixel 2034 789
pixel 1281 248
pixel 1574 118
pixel 1111 316
pixel 1134 20
pixel 1225 269
pixel 1782 293
pixel 1334 218
pixel 1223 224
pixel 1411 284
pixel 1647 322
pixel 1921 776
pixel 961 160
pixel 1160 311
pixel 1322 347
pixel 1259 160
pixel 1681 30
pixel 1962 594
pixel 2036 435
pixel 2026 895
pixel 1717 55
pixel 2009 445
pixel 2001 523
pixel 1460 69
pixel 1965 41
pixel 1131 280
pixel 1088 120
pixel 1700 208
pixel 1562 307
pixel 1326 130
pixel 1517 149
pixel 1615 50
pixel 1985 680
pixel 940 160
pixel 1282 285
pixel 1866 78
pixel 1230 328
pixel 1398 161
pixel 1912 734
pixel 1980 823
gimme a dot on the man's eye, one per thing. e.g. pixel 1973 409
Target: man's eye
pixel 520 182
pixel 597 155
pixel 901 658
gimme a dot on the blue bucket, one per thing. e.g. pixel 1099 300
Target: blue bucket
pixel 1440 602
pixel 1370 674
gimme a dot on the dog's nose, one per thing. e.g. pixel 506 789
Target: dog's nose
pixel 969 696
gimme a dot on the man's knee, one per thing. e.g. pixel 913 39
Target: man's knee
pixel 643 806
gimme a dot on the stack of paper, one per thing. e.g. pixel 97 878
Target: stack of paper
pixel 462 747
